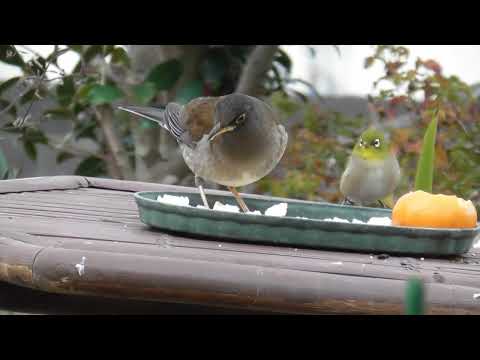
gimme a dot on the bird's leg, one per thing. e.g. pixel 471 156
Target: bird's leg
pixel 199 184
pixel 347 201
pixel 239 199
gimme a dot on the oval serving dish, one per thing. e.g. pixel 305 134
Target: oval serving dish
pixel 313 232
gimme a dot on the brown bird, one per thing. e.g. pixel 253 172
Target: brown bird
pixel 232 140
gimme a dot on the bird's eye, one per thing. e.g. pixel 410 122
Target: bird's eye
pixel 360 143
pixel 239 119
pixel 376 143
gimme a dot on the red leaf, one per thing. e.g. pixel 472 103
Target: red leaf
pixel 433 65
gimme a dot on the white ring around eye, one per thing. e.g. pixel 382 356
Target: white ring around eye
pixel 376 143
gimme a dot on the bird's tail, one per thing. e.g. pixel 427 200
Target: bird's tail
pixel 150 113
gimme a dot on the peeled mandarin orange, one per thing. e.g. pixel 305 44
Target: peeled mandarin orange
pixel 422 209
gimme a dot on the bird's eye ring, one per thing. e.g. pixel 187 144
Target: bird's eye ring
pixel 360 143
pixel 376 143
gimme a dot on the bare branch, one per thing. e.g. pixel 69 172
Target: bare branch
pixel 120 164
pixel 254 71
pixel 36 84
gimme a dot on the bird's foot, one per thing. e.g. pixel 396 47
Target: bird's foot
pixel 347 201
pixel 203 196
pixel 240 201
pixel 199 183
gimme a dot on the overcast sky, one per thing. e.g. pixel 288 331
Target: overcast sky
pixel 344 74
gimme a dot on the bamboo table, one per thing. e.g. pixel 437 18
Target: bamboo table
pixel 71 238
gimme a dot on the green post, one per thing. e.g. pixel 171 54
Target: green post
pixel 415 297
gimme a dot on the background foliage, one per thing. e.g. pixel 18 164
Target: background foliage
pixel 321 140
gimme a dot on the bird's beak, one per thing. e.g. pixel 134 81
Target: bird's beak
pixel 217 131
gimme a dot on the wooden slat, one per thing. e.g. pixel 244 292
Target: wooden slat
pixel 220 255
pixel 247 286
pixel 42 183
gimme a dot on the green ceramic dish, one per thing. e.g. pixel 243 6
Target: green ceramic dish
pixel 312 233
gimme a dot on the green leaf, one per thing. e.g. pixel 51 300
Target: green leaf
pixel 120 56
pixel 145 92
pixel 104 94
pixel 166 74
pixel 189 91
pixel 28 97
pixel 30 149
pixel 425 167
pixel 13 109
pixel 282 58
pixel 85 129
pixel 213 70
pixel 8 83
pixel 35 136
pixel 10 55
pixel 76 48
pixel 92 51
pixel 63 156
pixel 3 165
pixel 83 92
pixel 66 91
pixel 91 166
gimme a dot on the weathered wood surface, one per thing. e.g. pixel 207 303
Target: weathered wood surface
pixel 47 225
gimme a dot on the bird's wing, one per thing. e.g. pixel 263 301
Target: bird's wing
pixel 168 118
pixel 198 117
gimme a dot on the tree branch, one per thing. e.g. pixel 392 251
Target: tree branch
pixel 120 164
pixel 254 71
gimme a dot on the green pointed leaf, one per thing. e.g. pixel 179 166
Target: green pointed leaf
pixel 166 74
pixel 145 92
pixel 104 94
pixel 189 91
pixel 415 297
pixel 91 166
pixel 425 166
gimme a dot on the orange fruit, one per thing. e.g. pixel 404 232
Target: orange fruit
pixel 422 209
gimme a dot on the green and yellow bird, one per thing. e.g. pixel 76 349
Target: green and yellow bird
pixel 372 173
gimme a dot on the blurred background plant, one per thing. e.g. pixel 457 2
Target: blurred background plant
pixel 74 113
pixel 108 75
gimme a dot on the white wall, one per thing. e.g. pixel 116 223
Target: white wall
pixel 345 75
